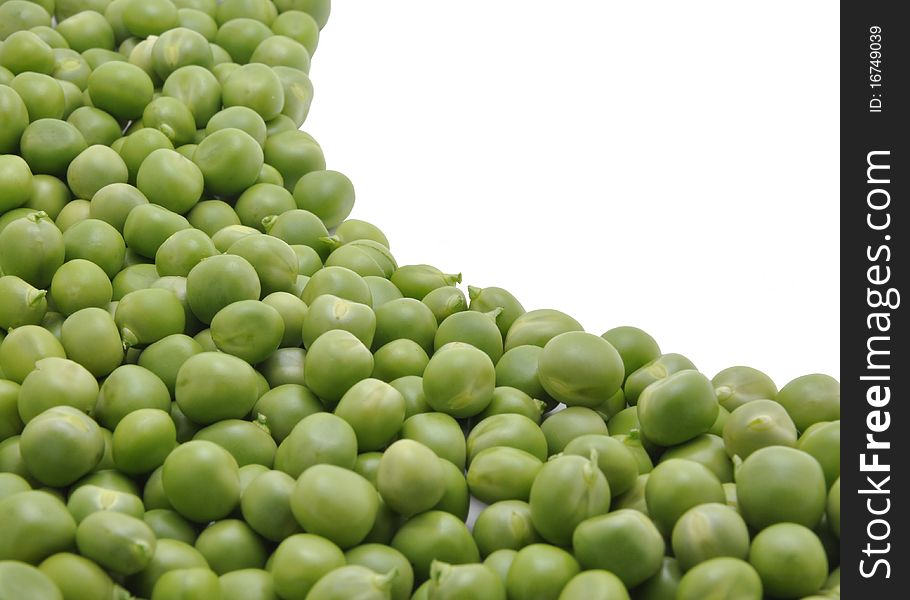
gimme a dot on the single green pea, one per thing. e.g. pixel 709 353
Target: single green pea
pixel 284 406
pixel 405 318
pixel 335 362
pixel 255 86
pixel 659 368
pixel 182 251
pixel 14 113
pixel 88 498
pixel 230 545
pixel 280 50
pixel 299 26
pixel 24 51
pixel 675 486
pixel 459 380
pixel 248 329
pixel 456 498
pixel 198 89
pixel 240 36
pixel 416 281
pixel 439 432
pixel 266 505
pixel 739 385
pixel 23 347
pixel 114 202
pixel 474 328
pixel 11 460
pixel 315 506
pixel 561 427
pixel 94 168
pixel 566 491
pixel 18 580
pixel 168 524
pixel 595 585
pixel 225 237
pixel 364 257
pixel 540 571
pixel 489 299
pixel 327 194
pixel 49 194
pixel 77 577
pixel 98 242
pixel 293 312
pixel 169 555
pixel 70 66
pixel 375 410
pixel 116 541
pixel 445 301
pixel 298 96
pixel 329 312
pixel 320 438
pixel 217 282
pixel 410 477
pixel 580 369
pixel 515 431
pixel 248 442
pixel 195 584
pixel 614 460
pixel 518 368
pixel 56 382
pixel 811 399
pixel 708 450
pixel 300 561
pixel 20 303
pixel 212 215
pixel 154 17
pixel 87 29
pixel 624 542
pixel 780 484
pixel 353 581
pixel 663 585
pixel 198 21
pixel 677 408
pixel 758 424
pixel 510 400
pixel 146 316
pixel 500 561
pixel 247 584
pixel 72 214
pixel 49 146
pixel 382 559
pixel 538 327
pixel 723 415
pixel 121 89
pixel 91 338
pixel 180 47
pixel 502 473
pixel 411 387
pixel 32 249
pixel 10 422
pixel 17 16
pixel 200 480
pixel 399 358
pixel 635 346
pixel 448 582
pixel 36 525
pixel 709 531
pixel 790 560
pixel 734 576
pixel 171 180
pixel 138 275
pixel 142 440
pixel 294 154
pixel 212 386
pixel 61 445
pixel 435 535
pixel 505 524
pixel 299 227
pixel 230 161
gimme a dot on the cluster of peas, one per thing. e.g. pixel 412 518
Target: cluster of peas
pixel 206 395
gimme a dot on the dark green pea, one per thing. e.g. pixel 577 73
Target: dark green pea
pixel 218 281
pixel 87 29
pixel 225 237
pixel 500 561
pixel 240 36
pixel 32 248
pixel 657 369
pixel 77 577
pixel 540 571
pixel 20 303
pixel 563 426
pixel 663 585
pixel 87 499
pixel 515 431
pixel 231 545
pixel 328 312
pixel 283 366
pixel 299 227
pixel 91 338
pixel 790 560
pixel 49 145
pixel 300 561
pixel 146 316
pixel 410 477
pixel 212 215
pixel 198 89
pixel 168 524
pixel 736 386
pixel 248 442
pixel 294 154
pixel 502 473
pixel 811 399
pixel 677 408
pixel 758 424
pixel 375 410
pixel 126 389
pixel 537 327
pixel 320 438
pixel 169 555
pixel 780 484
pixel 489 299
pixel 61 445
pixel 36 525
pixel 675 486
pixel 192 584
pixel 56 382
pixel 49 194
pixel 266 507
pixel 505 525
pixel 411 388
pixel 201 481
pixel 614 459
pixel 445 302
pixel 212 386
pixel 24 51
pixel 245 119
pixel 435 535
pixel 405 318
pixel 284 406
pixel 709 531
pixel 23 347
pixel 509 400
pixel 315 506
pixel 230 161
pixel 459 380
pixel 566 491
pixel 439 432
pixel 736 577
pixel 708 450
pixel 416 281
pixel 595 585
pixel 624 542
pixel 399 358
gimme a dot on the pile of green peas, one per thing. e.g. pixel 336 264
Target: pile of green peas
pixel 214 384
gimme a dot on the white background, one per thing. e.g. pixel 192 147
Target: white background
pixel 669 165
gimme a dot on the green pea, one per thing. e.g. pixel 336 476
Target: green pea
pixel 456 498
pixel 225 237
pixel 116 541
pixel 474 328
pixel 299 26
pixel 780 484
pixel 580 369
pixel 489 299
pixel 758 424
pixel 70 66
pixel 298 96
pixel 192 584
pixel 382 559
pixel 563 426
pixel 709 531
pixel 335 362
pixel 87 29
pixel 212 215
pixel 460 581
pixel 790 560
pixel 113 204
pixel 299 227
pixel 375 410
pixel 407 318
pixel 540 571
pixel 663 585
pixel 148 18
pixel 219 281
pixel 445 302
pixel 208 7
pixel 56 382
pixel 201 481
pixel 284 406
pixel 502 473
pixel 25 346
pixel 321 438
pixel 97 242
pixel 518 368
pixel 293 313
pixel 300 561
pixel 624 542
pixel 677 408
pixel 80 284
pixel 435 535
pixel 230 545
pixel 17 578
pixel 439 432
pixel 212 386
pixel 32 248
pixel 172 117
pixel 266 506
pixel 24 51
pixel 510 400
pixel 293 154
pixel 735 577
pixel 538 327
pixel 248 442
pixel 399 358
pixel 49 194
pixel 10 423
pixel 364 257
pixel 675 486
pixel 96 167
pixel 11 460
pixel 248 329
pixel 146 316
pixel 198 89
pixel 15 119
pixel 566 491
pixel 230 161
pixel 723 415
pixel 142 440
pixel 416 281
pixel 198 21
pixel 459 380
pixel 49 146
pixel 635 346
pixel 659 368
pixel 515 431
pixel 91 338
pixel 500 561
pixel 170 180
pixel 137 276
pixel 87 499
pixel 248 120
pixel 36 525
pixel 410 477
pixel 121 89
pixel 328 312
pixel 182 251
pixel 595 585
pixel 280 50
pixel 169 555
pixel 61 445
pixel 736 386
pixel 77 577
pixel 411 387
pixel 614 460
pixel 247 584
pixel 504 525
pixel 17 16
pixel 20 303
pixel 708 450
pixel 314 504
pixel 811 399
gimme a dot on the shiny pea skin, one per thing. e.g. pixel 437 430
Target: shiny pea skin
pixel 193 584
pixel 284 406
pixel 660 367
pixel 508 399
pixel 733 575
pixel 709 531
pixel 675 486
pixel 23 347
pixel 90 337
pixel 410 477
pixel 435 535
pixel 230 545
pixel 516 431
pixel 266 506
pixel 56 382
pixel 20 303
pixel 448 582
pixel 566 491
pixel 36 525
pixel 439 432
pixel 247 584
pixel 740 385
pixel 595 585
pixel 335 362
pixel 446 301
pixel 315 506
pixel 708 450
pixel 248 442
pixel 300 561
pixel 561 427
pixel 459 380
pixel 677 408
pixel 218 281
pixel 18 578
pixel 77 577
pixel 502 473
pixel 504 525
pixel 624 542
pixel 375 410
pixel 755 425
pixel 636 347
pixel 540 571
pixel 201 481
pixel 381 559
pixel 248 329
pixel 614 460
pixel 810 399
pixel 321 438
pixel 61 445
pixel 116 541
pixel 32 248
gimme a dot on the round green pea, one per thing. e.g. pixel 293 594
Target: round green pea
pixel 20 580
pixel 320 438
pixel 142 440
pixel 624 542
pixel 375 410
pixel 212 386
pixel 20 303
pixel 15 119
pixel 198 89
pixel 595 585
pixel 459 380
pixel 116 541
pixel 755 425
pixel 335 362
pixel 91 338
pixel 87 29
pixel 445 302
pixel 739 385
pixel 566 491
pixel 677 408
pixel 231 545
pixel 439 432
pixel 659 368
pixel 48 146
pixel 201 481
pixel 329 312
pixel 515 431
pixel 315 505
pixel 212 215
pixel 435 535
pixel 561 427
pixel 709 531
pixel 492 298
pixel 299 26
pixel 248 329
pixel 23 347
pixel 675 486
pixel 24 51
pixel 381 559
pixel 505 524
pixel 77 577
pixel 218 281
pixel 708 450
pixel 580 369
pixel 56 382
pixel 537 327
pixel 32 249
pixel 614 460
pixel 502 473
pixel 230 161
pixel 126 389
pixel 518 368
pixel 790 560
pixel 734 576
pixel 88 498
pixel 540 571
pixel 61 445
pixel 171 180
pixel 474 328
pixel 266 506
pixel 410 477
pixel 240 36
pixel 36 525
pixel 294 154
pixel 248 442
pixel 399 358
pixel 195 584
pixel 811 399
pixel 300 561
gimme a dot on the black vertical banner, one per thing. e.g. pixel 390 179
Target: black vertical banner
pixel 875 444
